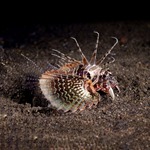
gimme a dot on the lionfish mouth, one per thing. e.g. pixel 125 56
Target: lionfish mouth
pixel 111 92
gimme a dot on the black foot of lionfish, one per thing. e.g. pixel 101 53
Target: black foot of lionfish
pixel 75 85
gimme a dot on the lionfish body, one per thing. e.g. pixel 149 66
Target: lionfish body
pixel 76 85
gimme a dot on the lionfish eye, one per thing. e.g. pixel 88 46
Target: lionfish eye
pixel 104 76
pixel 88 75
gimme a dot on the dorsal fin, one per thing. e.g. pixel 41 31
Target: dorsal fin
pixel 84 59
pixel 93 58
pixel 107 53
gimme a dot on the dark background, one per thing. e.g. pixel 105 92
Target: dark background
pixel 20 18
pixel 17 15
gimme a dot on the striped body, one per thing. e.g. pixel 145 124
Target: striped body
pixel 66 92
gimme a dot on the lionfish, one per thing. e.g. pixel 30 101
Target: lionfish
pixel 76 85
